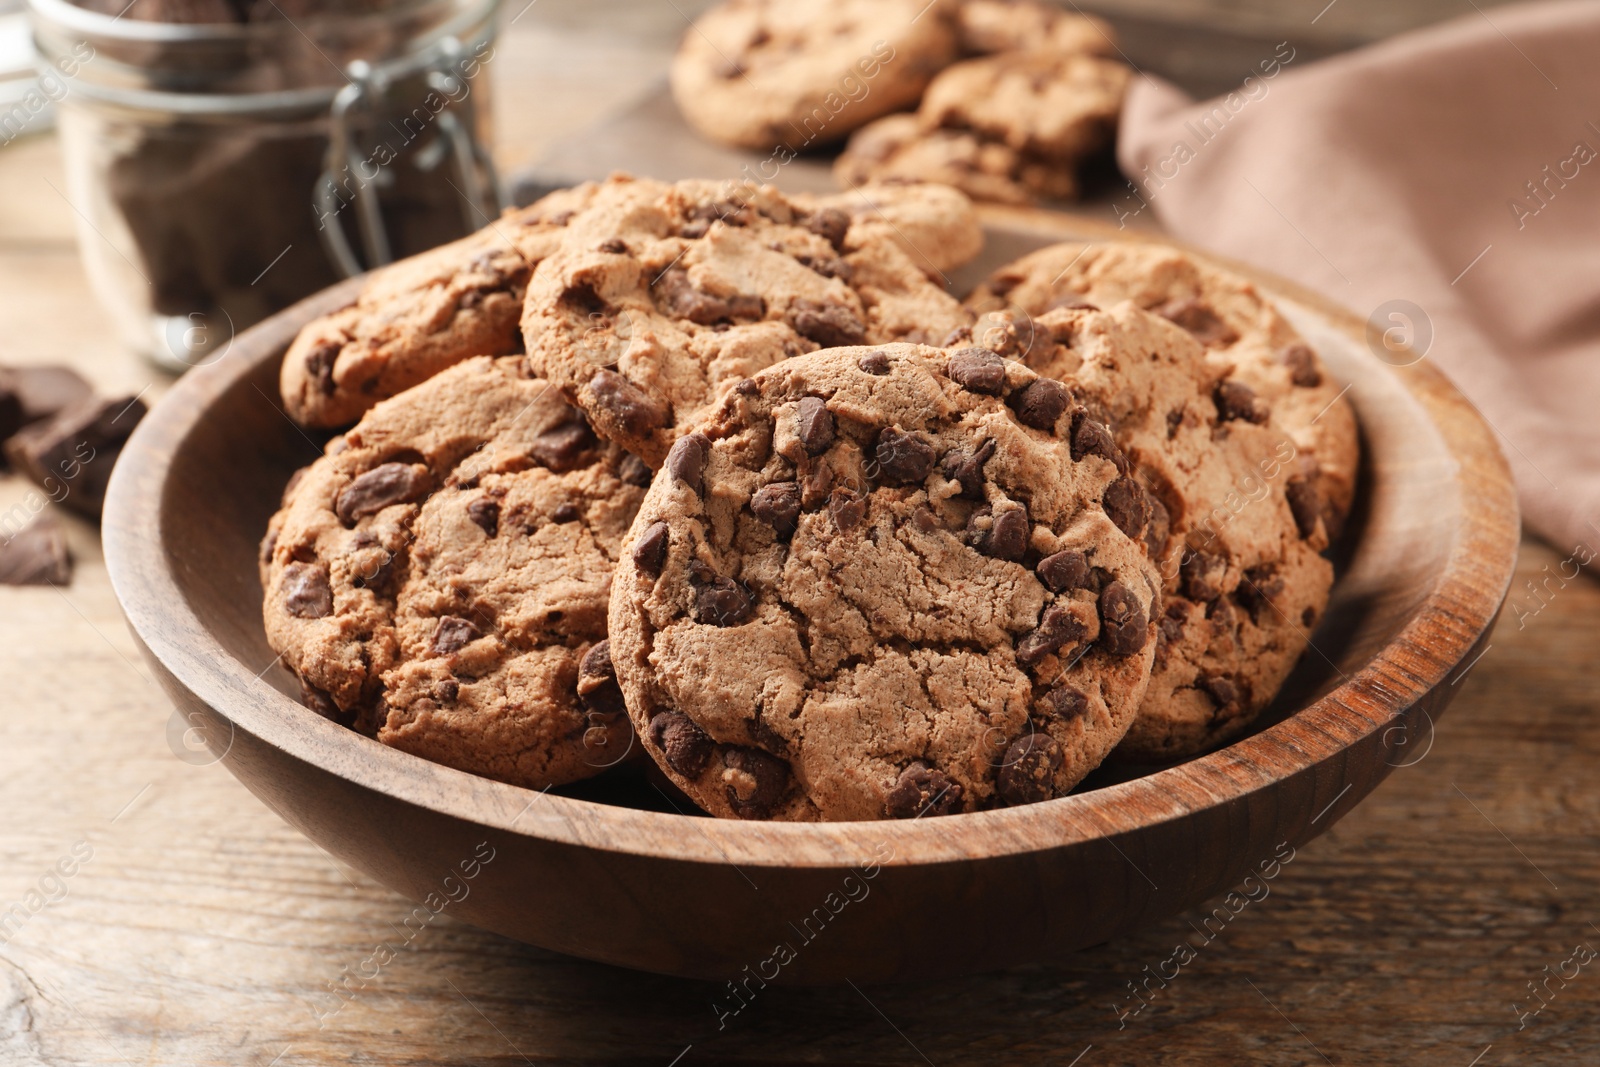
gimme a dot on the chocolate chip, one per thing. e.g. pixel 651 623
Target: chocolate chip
pixel 966 468
pixel 1091 437
pixel 1002 534
pixel 1259 588
pixel 1302 364
pixel 1236 400
pixel 629 405
pixel 562 449
pixel 874 363
pixel 486 513
pixel 306 592
pixel 381 577
pixel 1159 528
pixel 979 370
pixel 956 336
pixel 685 746
pixel 1201 321
pixel 452 633
pixel 902 458
pixel 722 602
pixel 650 551
pixel 1057 628
pixel 1126 506
pixel 813 424
pixel 922 790
pixel 1170 627
pixel 1305 502
pixel 831 224
pixel 847 509
pixel 829 267
pixel 565 513
pixel 1028 771
pixel 597 681
pixel 596 662
pixel 1122 621
pixel 1224 691
pixel 1065 702
pixel 615 246
pixel 447 691
pixel 816 483
pixel 755 781
pixel 1065 570
pixel 777 505
pixel 1040 403
pixel 319 365
pixel 679 298
pixel 380 487
pixel 321 702
pixel 633 471
pixel 1202 575
pixel 687 460
pixel 829 325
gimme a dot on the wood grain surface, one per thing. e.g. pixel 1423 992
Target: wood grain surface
pixel 1426 928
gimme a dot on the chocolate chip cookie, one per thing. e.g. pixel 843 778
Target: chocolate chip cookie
pixel 988 26
pixel 794 74
pixel 1005 127
pixel 418 316
pixel 881 582
pixel 1239 328
pixel 440 581
pixel 1244 581
pixel 663 295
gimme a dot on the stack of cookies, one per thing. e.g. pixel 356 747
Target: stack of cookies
pixel 1015 96
pixel 708 476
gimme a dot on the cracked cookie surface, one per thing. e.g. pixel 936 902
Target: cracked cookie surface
pixel 1244 581
pixel 440 579
pixel 416 317
pixel 663 295
pixel 1239 328
pixel 793 74
pixel 878 582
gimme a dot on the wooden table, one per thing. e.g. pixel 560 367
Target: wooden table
pixel 200 929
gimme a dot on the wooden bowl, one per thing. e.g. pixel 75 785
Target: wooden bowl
pixel 1425 567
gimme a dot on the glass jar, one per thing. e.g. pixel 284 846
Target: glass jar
pixel 220 172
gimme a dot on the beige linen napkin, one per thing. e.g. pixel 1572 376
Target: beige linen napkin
pixel 1445 184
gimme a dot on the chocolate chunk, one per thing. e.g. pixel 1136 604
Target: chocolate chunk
pixel 380 487
pixel 1065 702
pixel 1305 502
pixel 1236 400
pixel 685 746
pixel 829 325
pixel 36 555
pixel 874 363
pixel 1169 628
pixel 956 336
pixel 1198 318
pixel 679 298
pixel 71 455
pixel 1259 589
pixel 687 460
pixel 722 602
pixel 829 267
pixel 31 394
pixel 486 513
pixel 306 592
pixel 1002 534
pixel 979 370
pixel 1202 575
pixel 755 781
pixel 966 468
pixel 1028 770
pixel 596 663
pixel 1122 621
pixel 562 449
pixel 1302 364
pixel 831 224
pixel 1126 506
pixel 1091 437
pixel 452 633
pixel 847 509
pixel 813 424
pixel 633 471
pixel 321 702
pixel 597 681
pixel 625 402
pixel 922 790
pixel 319 365
pixel 777 505
pixel 1057 628
pixel 1040 403
pixel 1159 529
pixel 650 551
pixel 615 246
pixel 816 483
pixel 902 458
pixel 565 513
pixel 447 691
pixel 1067 569
pixel 1224 691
